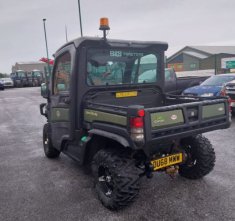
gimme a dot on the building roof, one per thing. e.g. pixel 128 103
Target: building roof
pixel 31 62
pixel 196 54
pixel 202 52
pixel 216 49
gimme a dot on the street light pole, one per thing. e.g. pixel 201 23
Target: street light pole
pixel 49 69
pixel 66 33
pixel 80 17
pixel 215 64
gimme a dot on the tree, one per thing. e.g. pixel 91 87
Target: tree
pixel 3 75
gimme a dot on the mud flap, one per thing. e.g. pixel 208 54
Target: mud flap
pixel 77 152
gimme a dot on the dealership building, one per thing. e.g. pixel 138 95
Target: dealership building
pixel 191 58
pixel 29 66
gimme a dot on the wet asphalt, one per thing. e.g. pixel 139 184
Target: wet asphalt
pixel 33 187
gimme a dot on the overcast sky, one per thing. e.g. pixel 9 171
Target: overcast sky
pixel 178 22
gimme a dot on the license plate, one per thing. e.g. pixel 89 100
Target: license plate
pixel 167 161
pixel 126 94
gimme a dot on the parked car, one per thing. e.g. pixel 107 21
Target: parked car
pixel 211 87
pixel 1 85
pixel 7 82
pixel 229 90
pixel 173 84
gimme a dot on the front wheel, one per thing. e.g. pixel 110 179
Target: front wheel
pixel 49 150
pixel 200 157
pixel 116 179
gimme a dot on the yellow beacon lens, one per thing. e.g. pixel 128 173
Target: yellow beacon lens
pixel 104 24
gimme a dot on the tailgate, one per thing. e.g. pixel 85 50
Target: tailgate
pixel 182 120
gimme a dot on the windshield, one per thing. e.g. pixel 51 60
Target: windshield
pixel 37 74
pixel 218 80
pixel 21 74
pixel 121 66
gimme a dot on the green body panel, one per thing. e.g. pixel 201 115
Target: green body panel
pixel 59 114
pixel 93 115
pixel 213 110
pixel 167 118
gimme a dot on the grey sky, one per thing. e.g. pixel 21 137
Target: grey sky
pixel 178 22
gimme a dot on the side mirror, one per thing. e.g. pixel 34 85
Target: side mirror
pixel 44 91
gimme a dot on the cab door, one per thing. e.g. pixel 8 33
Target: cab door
pixel 59 103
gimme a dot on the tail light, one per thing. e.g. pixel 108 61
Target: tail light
pixel 229 103
pixel 223 91
pixel 137 127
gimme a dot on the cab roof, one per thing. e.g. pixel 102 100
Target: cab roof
pixel 116 43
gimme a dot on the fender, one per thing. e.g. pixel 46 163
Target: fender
pixel 123 141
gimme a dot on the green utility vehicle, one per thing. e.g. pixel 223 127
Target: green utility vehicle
pixel 100 114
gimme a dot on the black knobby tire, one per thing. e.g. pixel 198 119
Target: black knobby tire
pixel 116 179
pixel 201 157
pixel 49 150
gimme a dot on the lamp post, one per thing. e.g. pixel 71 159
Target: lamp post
pixel 44 25
pixel 80 17
pixel 216 71
pixel 66 33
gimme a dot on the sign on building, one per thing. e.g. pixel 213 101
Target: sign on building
pixel 228 63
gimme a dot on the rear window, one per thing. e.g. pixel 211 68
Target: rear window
pixel 118 66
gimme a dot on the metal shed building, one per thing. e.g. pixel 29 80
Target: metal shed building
pixel 200 57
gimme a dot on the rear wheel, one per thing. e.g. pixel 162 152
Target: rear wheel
pixel 49 150
pixel 116 179
pixel 200 157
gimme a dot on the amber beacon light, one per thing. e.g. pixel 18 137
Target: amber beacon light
pixel 104 26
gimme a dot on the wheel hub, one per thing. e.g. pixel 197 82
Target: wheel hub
pixel 105 181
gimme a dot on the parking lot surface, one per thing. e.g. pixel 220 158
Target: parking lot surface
pixel 33 187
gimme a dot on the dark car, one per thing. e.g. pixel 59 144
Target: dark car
pixel 1 85
pixel 229 90
pixel 211 87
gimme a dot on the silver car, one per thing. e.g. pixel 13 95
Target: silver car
pixel 7 82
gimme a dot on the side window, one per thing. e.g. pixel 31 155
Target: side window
pixel 169 75
pixel 62 73
pixel 147 69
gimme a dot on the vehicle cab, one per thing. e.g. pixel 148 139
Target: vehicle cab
pixel 19 78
